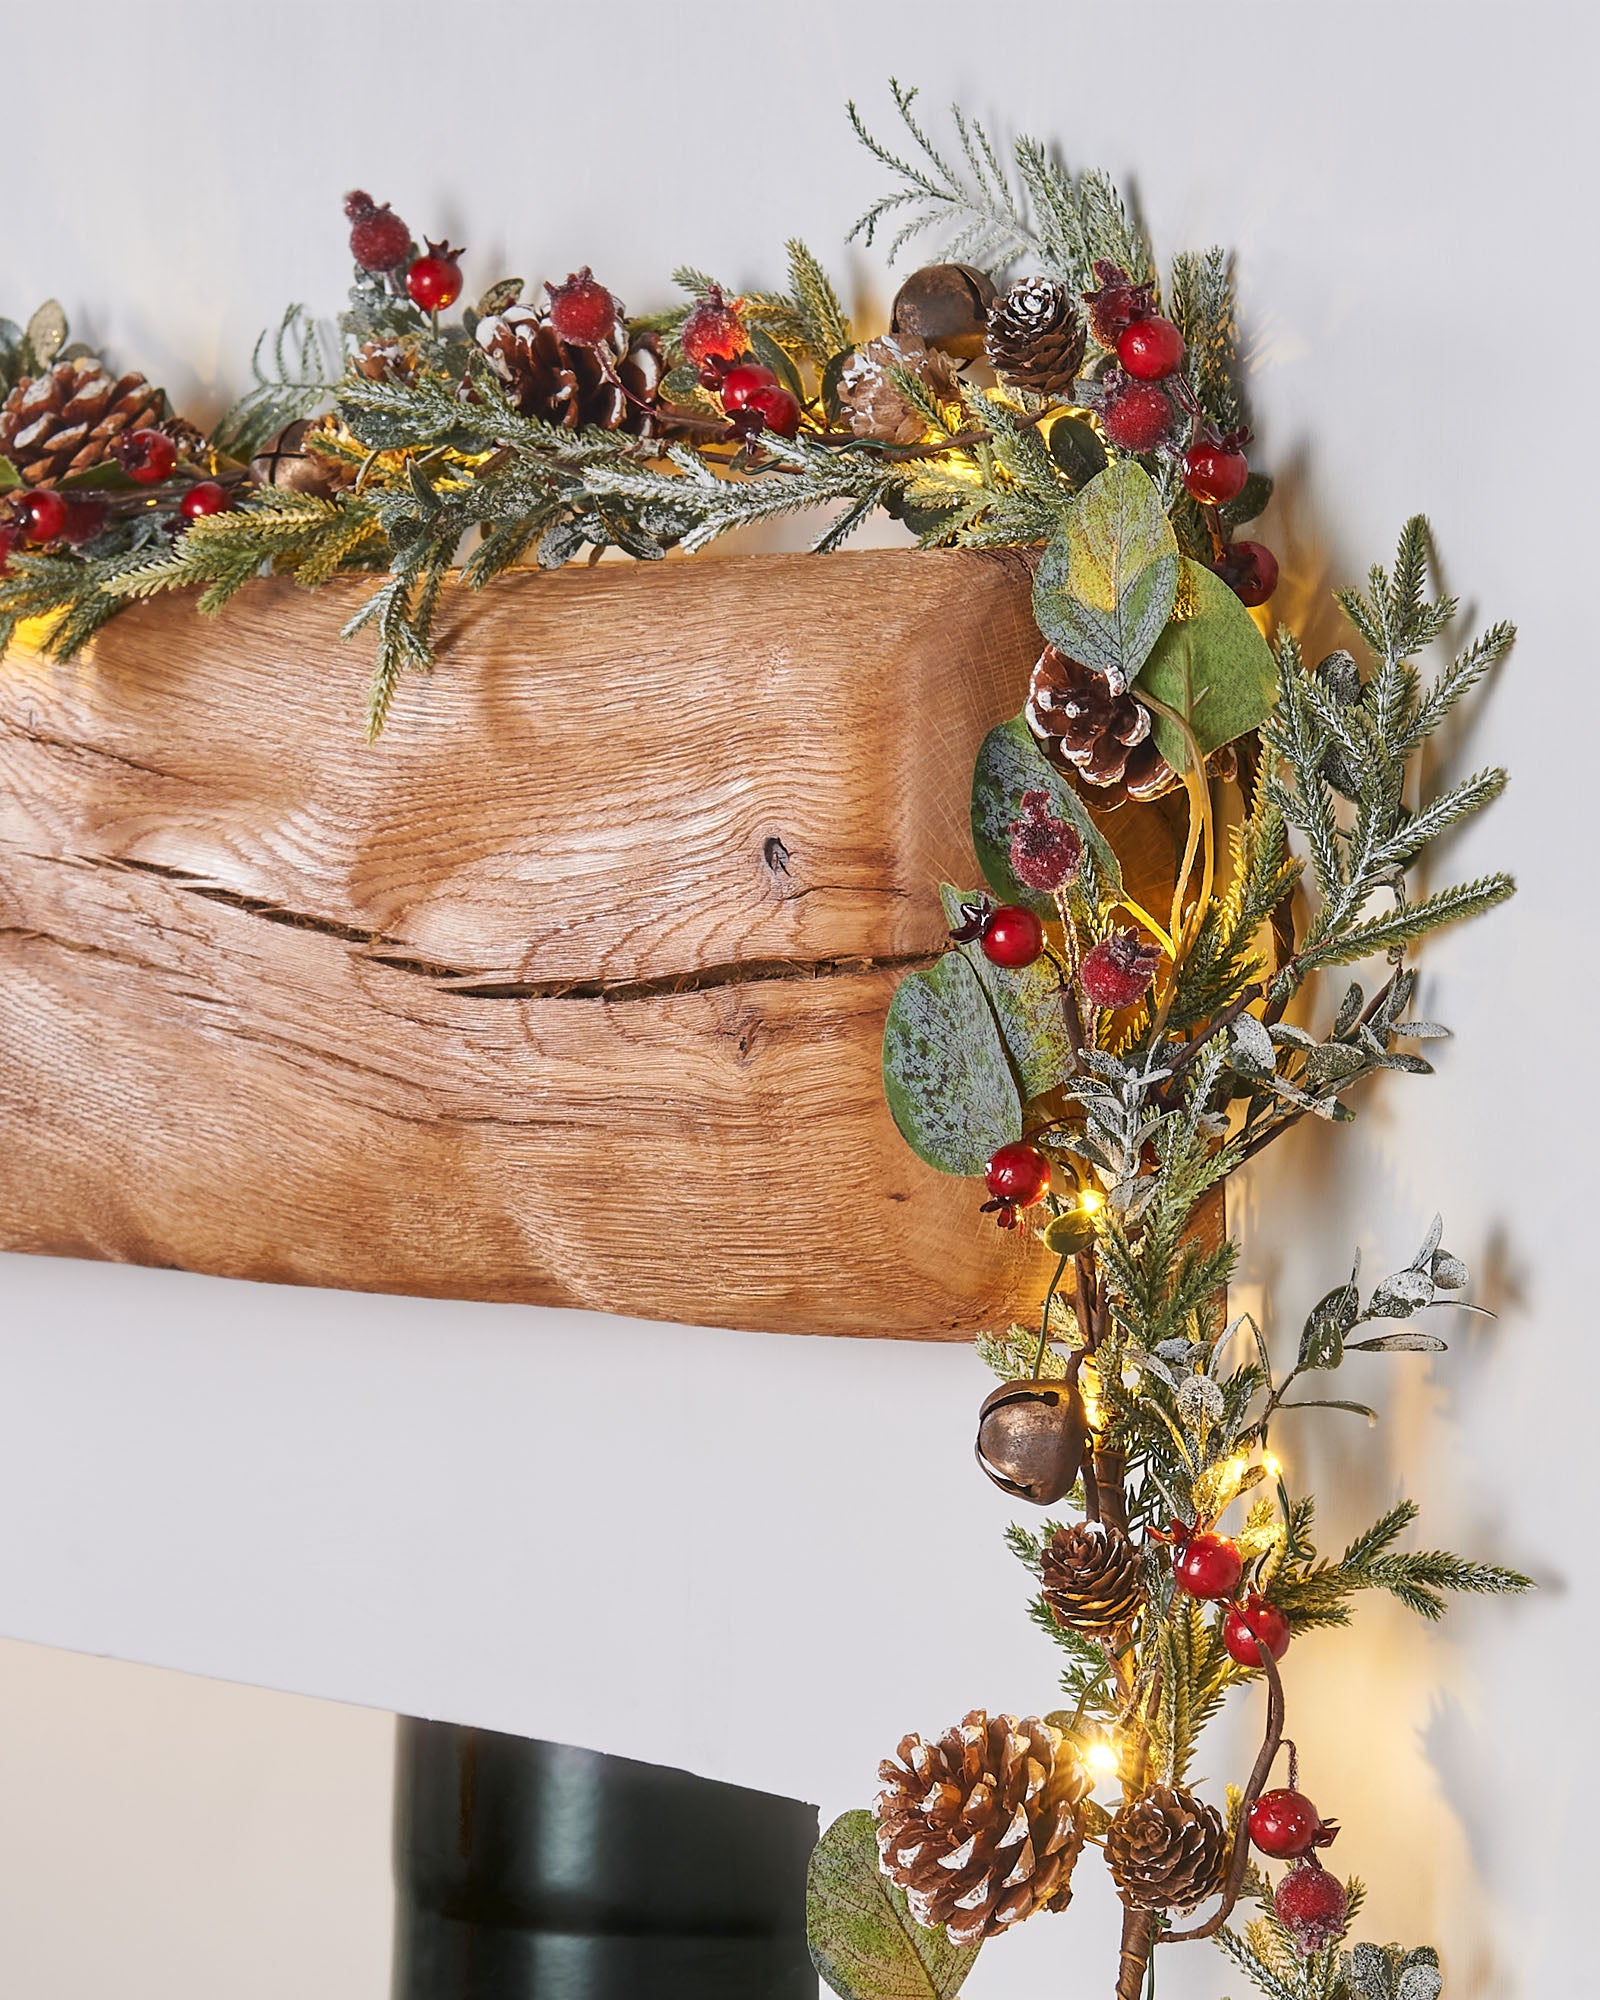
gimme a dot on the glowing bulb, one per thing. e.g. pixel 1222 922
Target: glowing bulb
pixel 1103 1757
pixel 1273 1466
pixel 1089 1199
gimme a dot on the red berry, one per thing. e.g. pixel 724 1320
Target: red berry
pixel 1312 1906
pixel 147 456
pixel 1046 852
pixel 713 331
pixel 1137 419
pixel 434 280
pixel 1013 937
pixel 1150 349
pixel 1116 302
pixel 1213 475
pixel 44 514
pixel 741 383
pixel 1208 1566
pixel 1249 570
pixel 776 408
pixel 207 498
pixel 380 241
pixel 1018 1174
pixel 85 520
pixel 1119 971
pixel 1284 1824
pixel 1257 1624
pixel 584 314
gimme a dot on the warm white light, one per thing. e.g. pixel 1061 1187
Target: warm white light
pixel 1273 1466
pixel 1089 1199
pixel 1103 1757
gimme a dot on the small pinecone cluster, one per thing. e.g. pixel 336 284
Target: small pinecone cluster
pixel 577 387
pixel 1036 337
pixel 1083 726
pixel 1091 1579
pixel 982 1828
pixel 869 398
pixel 67 419
pixel 1167 1850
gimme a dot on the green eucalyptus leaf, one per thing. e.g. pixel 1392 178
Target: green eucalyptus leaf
pixel 1107 582
pixel 864 1941
pixel 47 332
pixel 1010 763
pixel 106 477
pixel 1248 502
pixel 1027 1007
pixel 771 355
pixel 1070 1234
pixel 9 475
pixel 1212 666
pixel 945 1071
pixel 504 292
pixel 1076 448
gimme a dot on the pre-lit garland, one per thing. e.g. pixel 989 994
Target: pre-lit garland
pixel 1101 1067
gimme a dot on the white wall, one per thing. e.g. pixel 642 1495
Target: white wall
pixel 412 1505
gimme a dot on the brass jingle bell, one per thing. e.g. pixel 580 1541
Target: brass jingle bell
pixel 1031 1439
pixel 946 306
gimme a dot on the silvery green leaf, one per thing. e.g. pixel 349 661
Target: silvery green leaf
pixel 1331 1062
pixel 1398 1297
pixel 1333 1403
pixel 1330 1319
pixel 863 1938
pixel 47 332
pixel 1420 1977
pixel 1199 1396
pixel 1430 1243
pixel 1253 1044
pixel 1411 1065
pixel 1349 1010
pixel 1008 764
pixel 1156 1364
pixel 1285 1031
pixel 1399 1343
pixel 1370 1971
pixel 1421 1031
pixel 1449 1273
pixel 1027 1008
pixel 945 1073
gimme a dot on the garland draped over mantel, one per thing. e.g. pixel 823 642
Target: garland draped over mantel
pixel 1101 1066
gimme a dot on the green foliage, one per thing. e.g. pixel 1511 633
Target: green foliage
pixel 1211 667
pixel 292 381
pixel 864 1941
pixel 1009 764
pixel 1107 583
pixel 945 1071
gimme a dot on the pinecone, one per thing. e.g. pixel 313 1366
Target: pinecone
pixel 66 419
pixel 1036 339
pixel 1105 738
pixel 567 384
pixel 1167 1850
pixel 982 1828
pixel 1091 1579
pixel 872 405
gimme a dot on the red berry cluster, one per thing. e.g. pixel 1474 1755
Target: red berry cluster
pixel 715 341
pixel 45 518
pixel 1146 402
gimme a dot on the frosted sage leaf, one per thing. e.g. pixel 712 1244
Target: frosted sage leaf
pixel 1106 585
pixel 1009 764
pixel 1330 1319
pixel 1212 665
pixel 47 332
pixel 1027 1008
pixel 945 1072
pixel 864 1941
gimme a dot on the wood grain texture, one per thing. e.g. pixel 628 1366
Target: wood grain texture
pixel 568 992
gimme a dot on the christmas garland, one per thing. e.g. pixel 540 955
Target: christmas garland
pixel 1102 1067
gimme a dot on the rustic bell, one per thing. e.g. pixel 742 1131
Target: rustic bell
pixel 1031 1439
pixel 946 306
pixel 285 461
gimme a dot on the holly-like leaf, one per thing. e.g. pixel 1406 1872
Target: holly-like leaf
pixel 47 332
pixel 945 1072
pixel 1009 764
pixel 1027 1003
pixel 864 1941
pixel 1211 665
pixel 1107 582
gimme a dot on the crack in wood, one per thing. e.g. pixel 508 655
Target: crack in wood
pixel 389 952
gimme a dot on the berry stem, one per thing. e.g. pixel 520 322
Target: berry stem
pixel 1044 1316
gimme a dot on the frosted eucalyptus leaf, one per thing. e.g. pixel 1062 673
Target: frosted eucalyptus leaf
pixel 1009 763
pixel 1106 585
pixel 864 1941
pixel 945 1072
pixel 1449 1273
pixel 1398 1297
pixel 1399 1343
pixel 1252 1042
pixel 1349 1010
pixel 1330 1319
pixel 1027 1004
pixel 1420 1977
pixel 1211 665
pixel 47 332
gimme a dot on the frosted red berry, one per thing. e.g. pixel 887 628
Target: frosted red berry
pixel 1208 1566
pixel 1249 570
pixel 1119 971
pixel 85 519
pixel 208 497
pixel 1312 1906
pixel 379 240
pixel 1284 1824
pixel 44 514
pixel 583 313
pixel 742 382
pixel 1046 852
pixel 1018 1174
pixel 1116 302
pixel 433 281
pixel 1249 1627
pixel 1214 475
pixel 1013 937
pixel 147 456
pixel 776 408
pixel 713 331
pixel 1137 419
pixel 1150 349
